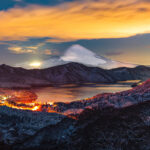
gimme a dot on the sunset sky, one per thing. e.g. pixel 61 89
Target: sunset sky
pixel 37 30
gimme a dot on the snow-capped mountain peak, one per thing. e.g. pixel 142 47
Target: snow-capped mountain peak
pixel 80 54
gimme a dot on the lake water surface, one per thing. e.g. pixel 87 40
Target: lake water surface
pixel 72 92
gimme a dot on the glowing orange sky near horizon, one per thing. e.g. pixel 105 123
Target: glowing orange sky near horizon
pixel 77 20
pixel 138 58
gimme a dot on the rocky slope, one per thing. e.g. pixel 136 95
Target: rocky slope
pixel 106 129
pixel 18 125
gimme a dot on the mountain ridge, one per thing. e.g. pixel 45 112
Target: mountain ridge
pixel 68 73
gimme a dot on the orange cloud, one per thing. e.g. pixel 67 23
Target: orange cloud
pixel 47 52
pixel 90 19
pixel 22 50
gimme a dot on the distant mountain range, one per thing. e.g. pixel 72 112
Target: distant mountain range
pixel 68 73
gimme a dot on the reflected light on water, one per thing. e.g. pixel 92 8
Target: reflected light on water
pixel 38 99
pixel 71 93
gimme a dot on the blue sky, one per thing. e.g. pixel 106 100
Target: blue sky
pixel 6 4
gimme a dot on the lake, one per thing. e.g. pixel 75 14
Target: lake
pixel 72 92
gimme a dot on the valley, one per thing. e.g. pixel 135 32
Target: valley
pixel 25 129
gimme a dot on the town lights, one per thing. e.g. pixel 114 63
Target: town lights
pixel 35 108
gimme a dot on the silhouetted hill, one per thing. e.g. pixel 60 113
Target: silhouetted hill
pixel 137 73
pixel 68 73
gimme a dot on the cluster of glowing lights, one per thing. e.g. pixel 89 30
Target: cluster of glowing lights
pixel 35 108
pixel 30 106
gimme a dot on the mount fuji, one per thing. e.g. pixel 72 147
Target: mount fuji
pixel 80 54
